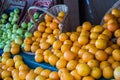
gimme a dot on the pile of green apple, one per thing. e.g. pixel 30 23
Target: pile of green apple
pixel 10 30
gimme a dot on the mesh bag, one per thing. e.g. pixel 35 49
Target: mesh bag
pixel 116 5
pixel 53 11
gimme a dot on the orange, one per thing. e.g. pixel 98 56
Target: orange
pixel 61 63
pixel 115 64
pixel 69 42
pixel 44 45
pixel 10 69
pixel 23 67
pixel 116 54
pixel 101 44
pixel 17 58
pixel 41 28
pixel 79 29
pixel 80 52
pixel 15 50
pixel 5 74
pixel 110 59
pixel 10 62
pixel 4 67
pixel 75 74
pixel 83 40
pixel 94 35
pixel 76 43
pixel 86 25
pixel 53 59
pixel 88 46
pixel 27 47
pixel 107 17
pixel 69 55
pixel 105 25
pixel 48 18
pixel 54 75
pixel 71 65
pixel 112 21
pixel 6 54
pixel 34 47
pixel 56 31
pixel 18 63
pixel 109 50
pixel 48 24
pixel 117 33
pixel 74 37
pixel 34 38
pixel 35 43
pixel 45 35
pixel 66 76
pixel 39 51
pixel 101 55
pixel 88 78
pixel 83 69
pixel 8 78
pixel 51 40
pixel 118 41
pixel 115 46
pixel 92 41
pixel 63 37
pixel 43 40
pixel 38 70
pixel 115 12
pixel 39 58
pixel 62 70
pixel 57 44
pixel 98 28
pixel 45 73
pixel 48 30
pixel 87 56
pixel 39 77
pixel 61 14
pixel 93 50
pixel 59 18
pixel 108 72
pixel 65 47
pixel 42 23
pixel 37 34
pixel 112 27
pixel 15 73
pixel 31 75
pixel 22 74
pixel 96 73
pixel 84 33
pixel 93 63
pixel 75 49
pixel 58 53
pixel 4 60
pixel 104 37
pixel 47 52
pixel 53 25
pixel 104 64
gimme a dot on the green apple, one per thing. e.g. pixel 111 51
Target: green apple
pixel 9 31
pixel 11 14
pixel 3 21
pixel 15 26
pixel 14 36
pixel 10 19
pixel 4 16
pixel 18 41
pixel 20 31
pixel 24 25
pixel 14 30
pixel 6 49
pixel 36 15
pixel 16 11
pixel 23 45
pixel 2 44
pixel 28 34
pixel 8 25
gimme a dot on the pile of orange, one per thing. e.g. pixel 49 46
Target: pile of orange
pixel 88 53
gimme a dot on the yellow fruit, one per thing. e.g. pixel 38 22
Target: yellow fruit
pixel 96 72
pixel 44 45
pixel 10 62
pixel 86 26
pixel 74 37
pixel 98 28
pixel 53 59
pixel 83 69
pixel 71 65
pixel 61 14
pixel 45 73
pixel 83 40
pixel 116 54
pixel 63 37
pixel 39 58
pixel 54 75
pixel 75 74
pixel 104 64
pixel 66 76
pixel 57 44
pixel 69 55
pixel 38 70
pixel 61 63
pixel 5 74
pixel 108 72
pixel 101 44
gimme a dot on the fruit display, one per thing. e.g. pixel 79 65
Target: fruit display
pixel 91 52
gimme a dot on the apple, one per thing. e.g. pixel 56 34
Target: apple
pixel 3 21
pixel 16 11
pixel 14 30
pixel 2 44
pixel 8 25
pixel 18 41
pixel 23 45
pixel 31 21
pixel 4 16
pixel 28 34
pixel 9 31
pixel 14 36
pixel 10 19
pixel 9 36
pixel 20 31
pixel 6 49
pixel 36 15
pixel 15 26
pixel 11 14
pixel 30 25
pixel 24 25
